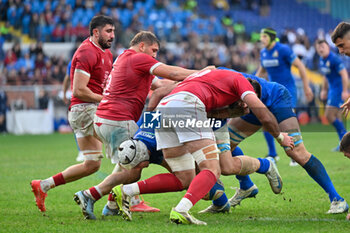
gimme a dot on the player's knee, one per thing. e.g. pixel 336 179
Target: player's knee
pixel 208 158
pixel 91 166
pixel 297 139
pixel 207 153
pixel 181 163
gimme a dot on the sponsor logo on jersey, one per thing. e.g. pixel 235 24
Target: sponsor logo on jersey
pixel 270 63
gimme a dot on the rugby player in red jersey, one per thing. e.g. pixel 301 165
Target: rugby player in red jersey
pixel 91 65
pixel 124 98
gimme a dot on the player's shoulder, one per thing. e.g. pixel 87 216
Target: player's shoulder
pixel 334 57
pixel 283 47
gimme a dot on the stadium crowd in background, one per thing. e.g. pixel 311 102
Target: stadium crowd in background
pixel 63 21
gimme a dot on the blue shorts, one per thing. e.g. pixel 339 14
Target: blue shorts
pixel 294 96
pixel 334 100
pixel 281 107
pixel 156 157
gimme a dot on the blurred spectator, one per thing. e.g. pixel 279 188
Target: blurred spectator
pixel 81 32
pixel 4 5
pixel 190 5
pixel 10 58
pixel 58 33
pixel 25 62
pixel 239 30
pixel 43 99
pixel 2 53
pixel 4 31
pixel 17 49
pixel 19 104
pixel 264 7
pixel 3 108
pixel 34 25
pixel 221 4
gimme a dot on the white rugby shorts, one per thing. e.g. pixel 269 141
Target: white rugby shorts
pixel 81 118
pixel 113 133
pixel 182 107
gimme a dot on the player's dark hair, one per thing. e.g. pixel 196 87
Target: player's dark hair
pixel 340 31
pixel 321 41
pixel 144 36
pixel 99 21
pixel 256 85
pixel 344 145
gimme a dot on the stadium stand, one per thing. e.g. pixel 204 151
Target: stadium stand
pixel 197 33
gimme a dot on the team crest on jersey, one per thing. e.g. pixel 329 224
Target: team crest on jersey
pixel 103 61
pixel 328 64
pixel 275 54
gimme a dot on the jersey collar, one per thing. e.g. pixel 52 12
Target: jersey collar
pixel 96 44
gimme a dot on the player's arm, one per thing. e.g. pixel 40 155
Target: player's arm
pixel 324 90
pixel 157 83
pixel 175 73
pixel 237 109
pixel 344 79
pixel 65 86
pixel 261 72
pixel 267 119
pixel 81 90
pixel 302 72
pixel 158 94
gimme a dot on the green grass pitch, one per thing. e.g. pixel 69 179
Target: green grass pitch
pixel 301 207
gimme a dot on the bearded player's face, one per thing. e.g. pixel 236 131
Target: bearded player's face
pixel 106 36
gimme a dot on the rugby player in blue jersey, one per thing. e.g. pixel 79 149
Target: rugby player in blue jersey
pixel 276 59
pixel 335 86
pixel 279 102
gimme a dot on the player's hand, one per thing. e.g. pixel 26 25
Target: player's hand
pixel 346 107
pixel 344 95
pixel 65 100
pixel 323 95
pixel 285 140
pixel 308 93
pixel 238 108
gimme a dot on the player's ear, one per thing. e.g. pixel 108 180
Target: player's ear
pixel 96 31
pixel 142 47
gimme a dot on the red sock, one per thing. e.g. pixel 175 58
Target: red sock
pixel 58 179
pixel 110 197
pixel 200 186
pixel 94 193
pixel 161 183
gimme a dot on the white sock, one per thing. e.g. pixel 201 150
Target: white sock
pixel 184 205
pixel 135 200
pixel 88 193
pixel 112 204
pixel 98 190
pixel 131 189
pixel 47 184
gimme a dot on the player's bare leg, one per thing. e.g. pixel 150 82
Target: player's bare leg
pixel 92 149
